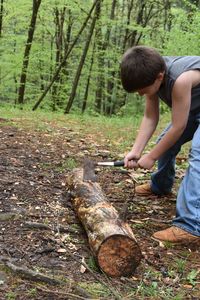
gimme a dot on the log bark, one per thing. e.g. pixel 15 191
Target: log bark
pixel 111 240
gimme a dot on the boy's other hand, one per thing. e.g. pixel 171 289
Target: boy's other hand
pixel 146 162
pixel 131 159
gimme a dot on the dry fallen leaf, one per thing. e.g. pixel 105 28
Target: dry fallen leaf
pixel 83 269
pixel 61 250
pixel 137 221
pixel 187 286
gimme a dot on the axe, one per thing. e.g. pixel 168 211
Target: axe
pixel 89 168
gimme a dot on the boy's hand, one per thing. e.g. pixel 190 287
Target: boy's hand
pixel 130 160
pixel 146 162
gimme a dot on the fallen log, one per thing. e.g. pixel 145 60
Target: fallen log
pixel 111 240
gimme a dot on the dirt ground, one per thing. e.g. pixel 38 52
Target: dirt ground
pixel 34 166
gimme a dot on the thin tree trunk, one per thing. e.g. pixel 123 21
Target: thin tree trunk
pixel 110 82
pixel 1 17
pixel 139 20
pixel 1 24
pixel 41 65
pixel 66 55
pixel 100 59
pixel 59 22
pixel 36 5
pixel 125 40
pixel 67 39
pixel 130 7
pixel 112 16
pixel 88 82
pixel 82 60
pixel 167 15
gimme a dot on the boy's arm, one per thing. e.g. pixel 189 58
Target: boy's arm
pixel 181 100
pixel 146 130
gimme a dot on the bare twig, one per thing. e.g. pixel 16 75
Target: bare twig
pixel 153 220
pixel 41 226
pixel 29 274
pixel 35 225
pixel 76 289
pixel 39 277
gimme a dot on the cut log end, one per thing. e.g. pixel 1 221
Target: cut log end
pixel 119 256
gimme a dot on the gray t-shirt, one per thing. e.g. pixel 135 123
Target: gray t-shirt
pixel 176 65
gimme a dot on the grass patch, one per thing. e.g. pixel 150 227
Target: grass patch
pixel 92 264
pixel 115 131
pixel 118 133
pixel 95 289
pixel 192 277
pixel 11 296
pixel 69 163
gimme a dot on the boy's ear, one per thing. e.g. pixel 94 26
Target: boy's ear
pixel 161 76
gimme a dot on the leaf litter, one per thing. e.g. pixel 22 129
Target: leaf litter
pixel 40 231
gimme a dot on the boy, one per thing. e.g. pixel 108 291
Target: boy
pixel 176 81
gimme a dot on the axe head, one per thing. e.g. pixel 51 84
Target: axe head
pixel 89 170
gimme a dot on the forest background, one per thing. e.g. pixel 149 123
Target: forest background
pixel 65 55
pixel 61 58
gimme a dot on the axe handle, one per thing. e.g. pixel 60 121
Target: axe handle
pixel 119 163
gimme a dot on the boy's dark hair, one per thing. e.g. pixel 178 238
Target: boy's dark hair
pixel 140 67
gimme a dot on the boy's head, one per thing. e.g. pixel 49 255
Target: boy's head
pixel 140 67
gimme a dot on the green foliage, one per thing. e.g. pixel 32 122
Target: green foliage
pixel 192 277
pixel 11 296
pixel 69 163
pixel 172 29
pixel 183 39
pixel 96 289
pixel 92 264
pixel 32 292
pixel 180 263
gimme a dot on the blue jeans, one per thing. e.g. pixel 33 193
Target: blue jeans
pixel 188 199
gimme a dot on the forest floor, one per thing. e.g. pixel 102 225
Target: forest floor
pixel 41 232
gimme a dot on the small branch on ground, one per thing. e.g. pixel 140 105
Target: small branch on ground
pixel 35 225
pixel 41 226
pixel 76 289
pixel 29 274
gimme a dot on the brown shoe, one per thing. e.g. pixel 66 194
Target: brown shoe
pixel 144 190
pixel 175 235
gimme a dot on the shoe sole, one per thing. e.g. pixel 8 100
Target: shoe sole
pixel 195 242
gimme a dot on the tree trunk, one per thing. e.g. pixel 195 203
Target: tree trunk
pixel 59 23
pixel 111 77
pixel 81 63
pixel 111 239
pixel 134 40
pixel 130 7
pixel 1 24
pixel 100 62
pixel 88 82
pixel 67 39
pixel 167 15
pixel 36 5
pixel 1 17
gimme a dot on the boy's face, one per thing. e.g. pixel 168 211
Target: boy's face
pixel 153 88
